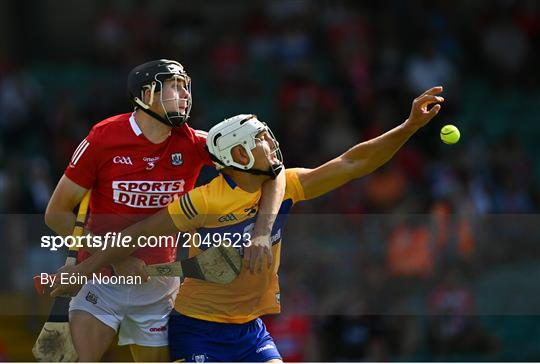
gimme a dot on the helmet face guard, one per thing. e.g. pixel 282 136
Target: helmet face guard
pixel 275 168
pixel 152 76
pixel 175 118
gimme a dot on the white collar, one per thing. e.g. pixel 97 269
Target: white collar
pixel 134 125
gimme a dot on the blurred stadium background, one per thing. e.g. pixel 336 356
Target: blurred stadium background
pixel 433 257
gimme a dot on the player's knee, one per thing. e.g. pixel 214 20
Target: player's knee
pixel 90 336
pixel 86 353
pixel 275 361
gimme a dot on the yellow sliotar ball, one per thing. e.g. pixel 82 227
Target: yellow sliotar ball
pixel 450 134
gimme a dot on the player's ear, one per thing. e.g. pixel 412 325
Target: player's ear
pixel 239 155
pixel 147 95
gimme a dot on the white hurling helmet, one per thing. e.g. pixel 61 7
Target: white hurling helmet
pixel 240 130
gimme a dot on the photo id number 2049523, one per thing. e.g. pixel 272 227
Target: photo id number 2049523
pixel 227 240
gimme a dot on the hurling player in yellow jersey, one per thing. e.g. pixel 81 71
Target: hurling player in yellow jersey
pixel 213 322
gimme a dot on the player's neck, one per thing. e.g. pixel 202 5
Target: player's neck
pixel 154 130
pixel 247 181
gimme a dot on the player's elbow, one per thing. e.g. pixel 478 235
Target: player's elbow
pixel 49 212
pixel 50 216
pixel 55 215
pixel 48 220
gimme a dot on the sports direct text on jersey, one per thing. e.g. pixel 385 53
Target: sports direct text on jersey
pixel 146 194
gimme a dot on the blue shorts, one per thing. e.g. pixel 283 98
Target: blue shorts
pixel 194 340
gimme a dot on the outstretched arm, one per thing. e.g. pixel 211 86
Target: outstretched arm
pixel 364 158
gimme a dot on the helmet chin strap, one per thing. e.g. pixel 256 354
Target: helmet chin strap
pixel 165 120
pixel 272 172
pixel 176 119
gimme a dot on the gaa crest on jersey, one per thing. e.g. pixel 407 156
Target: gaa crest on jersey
pixel 176 159
pixel 122 160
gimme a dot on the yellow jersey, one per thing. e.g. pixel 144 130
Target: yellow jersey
pixel 221 209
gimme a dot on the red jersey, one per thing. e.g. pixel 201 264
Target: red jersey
pixel 132 178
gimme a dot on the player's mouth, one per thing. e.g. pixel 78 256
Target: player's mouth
pixel 273 158
pixel 182 108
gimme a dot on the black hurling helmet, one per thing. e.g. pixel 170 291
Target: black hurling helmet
pixel 151 76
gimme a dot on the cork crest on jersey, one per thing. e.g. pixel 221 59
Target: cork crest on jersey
pixel 176 159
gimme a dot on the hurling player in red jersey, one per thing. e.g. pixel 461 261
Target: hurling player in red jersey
pixel 135 164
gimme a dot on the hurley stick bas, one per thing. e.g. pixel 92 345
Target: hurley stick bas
pixel 54 342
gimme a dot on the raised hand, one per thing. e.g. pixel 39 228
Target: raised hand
pixel 421 114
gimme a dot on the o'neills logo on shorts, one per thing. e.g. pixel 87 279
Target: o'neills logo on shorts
pixel 146 194
pixel 158 329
